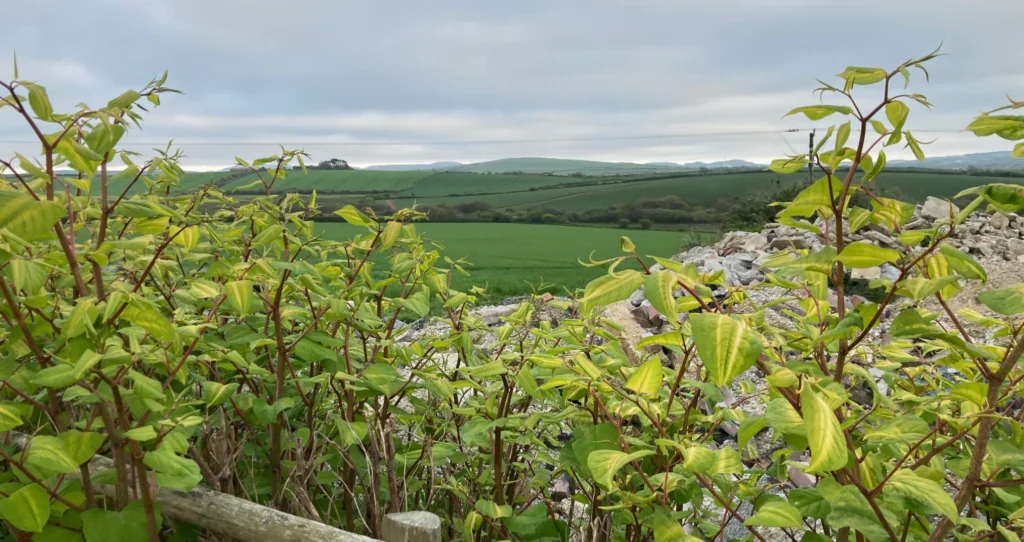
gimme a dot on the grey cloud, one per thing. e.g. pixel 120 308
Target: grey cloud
pixel 386 71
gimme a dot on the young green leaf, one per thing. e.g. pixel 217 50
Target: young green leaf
pixel 897 111
pixel 963 264
pixel 818 112
pixel 725 345
pixel 128 525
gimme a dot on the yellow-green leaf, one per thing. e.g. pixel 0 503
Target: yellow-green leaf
pixel 928 493
pixel 818 112
pixel 863 254
pixel 354 216
pixel 239 296
pixel 658 289
pixel 897 112
pixel 27 509
pixel 725 345
pixel 824 435
pixel 776 513
pixel 646 380
pixel 608 289
pixel 605 464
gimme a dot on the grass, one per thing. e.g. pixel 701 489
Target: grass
pixel 508 258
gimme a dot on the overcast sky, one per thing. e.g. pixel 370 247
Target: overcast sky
pixel 439 74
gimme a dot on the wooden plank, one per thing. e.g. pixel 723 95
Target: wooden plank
pixel 240 519
pixel 411 527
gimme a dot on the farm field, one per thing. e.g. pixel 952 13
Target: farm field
pixel 508 257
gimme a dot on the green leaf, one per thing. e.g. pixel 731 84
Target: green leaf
pixel 918 288
pixel 390 234
pixel 913 323
pixel 876 168
pixel 608 289
pixel 646 380
pixel 27 509
pixel 928 493
pixel 783 418
pixel 776 513
pixel 492 510
pixel 1007 301
pixel 915 147
pixel 605 464
pixel 239 296
pixel 863 254
pixel 815 262
pixel 842 135
pixel 672 338
pixel 785 166
pixel 39 101
pixel 879 127
pixel 81 447
pixel 627 244
pixel 147 317
pixel 810 503
pixel 216 394
pixel 141 434
pixel 27 218
pixel 10 418
pixel 668 530
pixel 128 525
pixel 27 276
pixel 828 445
pixel 855 75
pixel 58 376
pixel 897 112
pixel 749 428
pixel 814 197
pixel 269 235
pixel 818 112
pixel 354 216
pixel 1010 127
pixel 173 471
pixel 1018 151
pixel 859 217
pixel 725 345
pixel 658 289
pixel 52 454
pixel 974 392
pixel 963 264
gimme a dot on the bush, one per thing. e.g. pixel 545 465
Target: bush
pixel 645 223
pixel 235 348
pixel 624 223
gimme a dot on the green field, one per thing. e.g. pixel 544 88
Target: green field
pixel 507 258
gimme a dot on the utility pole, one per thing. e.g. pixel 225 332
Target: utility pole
pixel 810 159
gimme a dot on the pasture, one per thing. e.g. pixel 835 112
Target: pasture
pixel 508 258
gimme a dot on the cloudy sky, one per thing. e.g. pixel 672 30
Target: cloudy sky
pixel 382 81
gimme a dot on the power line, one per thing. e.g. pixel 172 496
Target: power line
pixel 465 141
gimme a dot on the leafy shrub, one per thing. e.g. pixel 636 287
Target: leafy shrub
pixel 624 223
pixel 228 345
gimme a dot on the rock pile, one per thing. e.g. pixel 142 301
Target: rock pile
pixel 741 255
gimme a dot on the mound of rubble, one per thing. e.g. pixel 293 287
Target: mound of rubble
pixel 992 239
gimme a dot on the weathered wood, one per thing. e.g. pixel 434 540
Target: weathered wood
pixel 247 521
pixel 411 527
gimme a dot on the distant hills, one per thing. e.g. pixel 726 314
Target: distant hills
pixel 561 166
pixel 979 160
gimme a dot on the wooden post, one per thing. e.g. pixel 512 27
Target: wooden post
pixel 240 519
pixel 411 527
